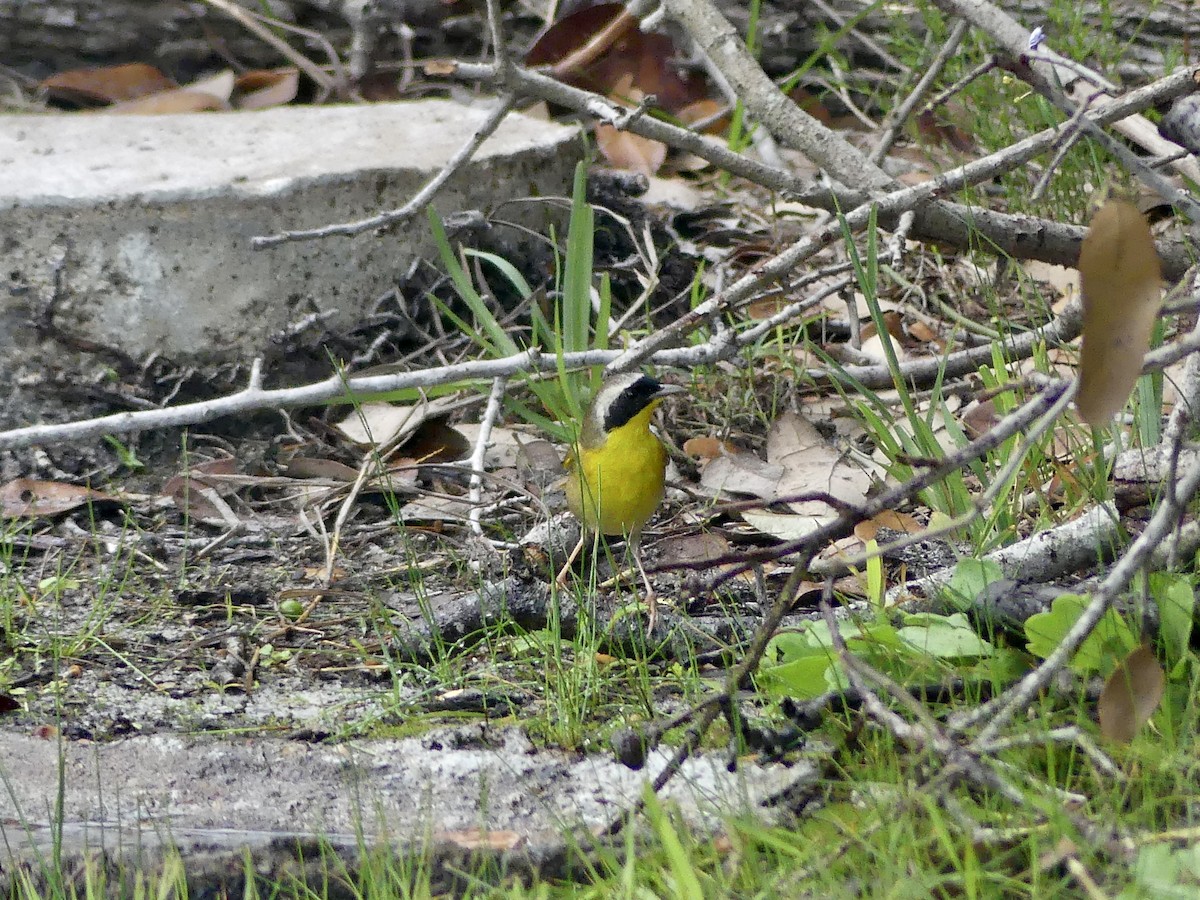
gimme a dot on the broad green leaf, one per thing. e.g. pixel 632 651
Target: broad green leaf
pixel 1109 643
pixel 1176 601
pixel 970 578
pixel 946 637
pixel 803 677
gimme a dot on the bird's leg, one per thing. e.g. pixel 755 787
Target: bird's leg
pixel 561 579
pixel 651 597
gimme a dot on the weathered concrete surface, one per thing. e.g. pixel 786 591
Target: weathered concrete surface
pixel 135 230
pixel 215 796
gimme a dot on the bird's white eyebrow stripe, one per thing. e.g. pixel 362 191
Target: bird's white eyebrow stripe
pixel 612 390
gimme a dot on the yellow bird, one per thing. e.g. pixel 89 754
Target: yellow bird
pixel 616 476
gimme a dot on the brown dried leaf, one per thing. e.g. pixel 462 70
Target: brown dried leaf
pixel 178 484
pixel 435 441
pixel 718 114
pixel 979 417
pixel 889 518
pixel 188 490
pixel 1131 695
pixel 629 151
pixel 689 549
pixel 180 100
pixel 480 839
pixel 1121 278
pixel 30 497
pixel 705 447
pixel 644 58
pixel 264 88
pixel 205 95
pixel 109 84
pixel 315 467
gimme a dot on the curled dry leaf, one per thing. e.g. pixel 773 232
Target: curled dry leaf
pixel 205 95
pixel 29 498
pixel 1121 279
pixel 264 88
pixel 479 839
pixel 629 151
pixel 643 59
pixel 1131 695
pixel 706 447
pixel 110 84
pixel 179 100
pixel 376 424
pixel 889 518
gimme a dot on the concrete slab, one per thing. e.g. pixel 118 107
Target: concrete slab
pixel 216 797
pixel 136 229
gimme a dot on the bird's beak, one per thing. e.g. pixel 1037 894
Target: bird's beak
pixel 668 389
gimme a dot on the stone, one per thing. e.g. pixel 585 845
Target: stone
pixel 134 232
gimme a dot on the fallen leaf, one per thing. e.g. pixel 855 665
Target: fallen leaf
pixel 811 105
pixel 1121 279
pixel 922 333
pixel 979 417
pixel 30 497
pixel 944 133
pixel 436 441
pixel 376 424
pixel 178 484
pixel 786 527
pixel 108 84
pixel 741 473
pixel 205 95
pixel 811 464
pixel 169 103
pixel 264 88
pixel 480 839
pixel 1131 695
pixel 642 58
pixel 718 115
pixel 436 508
pixel 315 467
pixel 689 549
pixel 188 489
pixel 629 151
pixel 889 518
pixel 705 447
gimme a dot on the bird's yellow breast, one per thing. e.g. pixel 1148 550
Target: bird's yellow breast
pixel 614 488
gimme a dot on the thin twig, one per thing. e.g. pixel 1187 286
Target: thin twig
pixel 248 21
pixel 898 116
pixel 490 414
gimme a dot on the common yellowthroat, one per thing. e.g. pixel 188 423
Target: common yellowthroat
pixel 616 475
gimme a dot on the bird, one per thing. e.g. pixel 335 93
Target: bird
pixel 616 472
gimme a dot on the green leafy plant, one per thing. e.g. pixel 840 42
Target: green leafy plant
pixel 570 332
pixel 924 645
